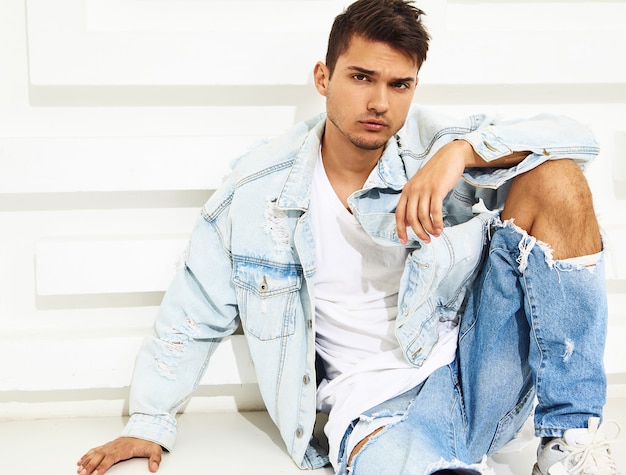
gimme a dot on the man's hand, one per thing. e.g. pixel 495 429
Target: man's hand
pixel 99 459
pixel 421 201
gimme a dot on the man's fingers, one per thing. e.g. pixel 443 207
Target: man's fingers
pixel 423 212
pixel 413 212
pixel 401 219
pixel 89 462
pixel 96 462
pixel 154 461
pixel 436 216
pixel 100 459
pixel 105 464
pixel 424 223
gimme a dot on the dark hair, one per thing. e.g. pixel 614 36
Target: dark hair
pixel 394 22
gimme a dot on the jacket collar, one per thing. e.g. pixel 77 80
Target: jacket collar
pixel 296 192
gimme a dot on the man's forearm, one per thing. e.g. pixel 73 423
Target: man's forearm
pixel 474 160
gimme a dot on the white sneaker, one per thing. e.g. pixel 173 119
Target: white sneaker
pixel 579 451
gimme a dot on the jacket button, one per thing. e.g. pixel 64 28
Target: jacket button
pixel 309 324
pixel 306 379
pixel 299 432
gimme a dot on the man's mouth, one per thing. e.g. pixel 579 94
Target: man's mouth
pixel 374 124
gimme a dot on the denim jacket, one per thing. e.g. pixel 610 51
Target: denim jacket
pixel 251 261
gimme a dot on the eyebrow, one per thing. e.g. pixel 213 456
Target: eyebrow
pixel 370 72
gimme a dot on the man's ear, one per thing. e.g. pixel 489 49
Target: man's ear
pixel 321 75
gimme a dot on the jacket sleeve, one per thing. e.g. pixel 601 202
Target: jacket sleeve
pixel 545 137
pixel 197 312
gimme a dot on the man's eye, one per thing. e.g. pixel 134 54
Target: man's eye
pixel 360 77
pixel 401 85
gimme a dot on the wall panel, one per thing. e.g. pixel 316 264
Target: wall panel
pixel 119 117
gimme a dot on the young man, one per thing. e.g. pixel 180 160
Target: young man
pixel 432 340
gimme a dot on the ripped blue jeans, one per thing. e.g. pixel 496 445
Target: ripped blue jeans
pixel 532 328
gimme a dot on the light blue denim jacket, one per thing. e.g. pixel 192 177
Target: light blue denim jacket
pixel 251 260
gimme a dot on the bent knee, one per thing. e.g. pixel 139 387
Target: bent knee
pixel 552 179
pixel 556 188
pixel 553 203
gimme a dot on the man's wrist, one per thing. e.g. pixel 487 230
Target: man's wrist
pixel 470 157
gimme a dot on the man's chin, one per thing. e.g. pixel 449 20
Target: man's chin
pixel 369 144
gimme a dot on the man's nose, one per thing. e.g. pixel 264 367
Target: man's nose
pixel 379 100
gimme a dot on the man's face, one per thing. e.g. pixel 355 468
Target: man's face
pixel 368 95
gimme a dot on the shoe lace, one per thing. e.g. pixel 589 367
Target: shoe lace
pixel 586 459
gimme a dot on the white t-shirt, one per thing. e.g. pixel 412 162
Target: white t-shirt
pixel 356 292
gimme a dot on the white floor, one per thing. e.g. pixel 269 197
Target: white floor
pixel 219 444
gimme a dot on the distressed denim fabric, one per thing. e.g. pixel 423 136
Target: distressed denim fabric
pixel 250 261
pixel 544 321
pixel 425 434
pixel 533 328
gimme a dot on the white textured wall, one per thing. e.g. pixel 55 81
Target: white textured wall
pixel 117 118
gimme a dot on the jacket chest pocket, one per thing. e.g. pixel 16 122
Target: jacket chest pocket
pixel 267 298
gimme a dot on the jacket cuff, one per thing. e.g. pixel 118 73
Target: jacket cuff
pixel 487 144
pixel 160 429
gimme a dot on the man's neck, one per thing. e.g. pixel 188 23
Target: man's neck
pixel 347 166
